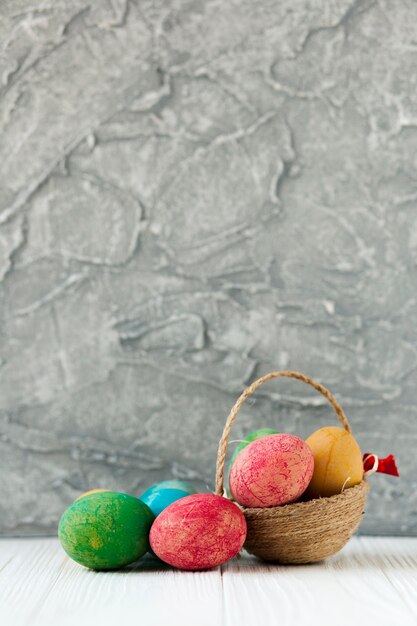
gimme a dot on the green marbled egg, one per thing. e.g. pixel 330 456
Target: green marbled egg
pixel 106 530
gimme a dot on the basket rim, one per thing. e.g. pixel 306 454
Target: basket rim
pixel 348 494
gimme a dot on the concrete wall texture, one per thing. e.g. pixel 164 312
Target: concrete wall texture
pixel 194 193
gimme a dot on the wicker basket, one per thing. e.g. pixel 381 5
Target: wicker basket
pixel 303 532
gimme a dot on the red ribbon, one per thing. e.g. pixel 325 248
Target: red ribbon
pixel 372 464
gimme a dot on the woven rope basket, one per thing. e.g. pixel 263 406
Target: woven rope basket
pixel 303 532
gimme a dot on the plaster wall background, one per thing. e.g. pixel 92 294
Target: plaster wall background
pixel 193 193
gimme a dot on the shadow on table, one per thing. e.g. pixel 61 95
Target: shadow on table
pixel 355 558
pixel 352 560
pixel 148 563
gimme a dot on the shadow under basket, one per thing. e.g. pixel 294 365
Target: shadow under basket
pixel 303 532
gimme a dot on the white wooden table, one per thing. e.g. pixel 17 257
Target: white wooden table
pixel 373 581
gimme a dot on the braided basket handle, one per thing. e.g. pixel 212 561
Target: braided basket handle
pixel 222 449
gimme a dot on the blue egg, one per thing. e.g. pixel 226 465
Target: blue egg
pixel 171 484
pixel 157 501
pixel 161 495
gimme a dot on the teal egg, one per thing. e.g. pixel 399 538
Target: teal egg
pixel 256 434
pixel 158 500
pixel 172 484
pixel 106 530
pixel 162 494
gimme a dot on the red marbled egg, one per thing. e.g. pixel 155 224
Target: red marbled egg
pixel 198 532
pixel 273 470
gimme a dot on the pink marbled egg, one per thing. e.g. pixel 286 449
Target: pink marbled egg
pixel 198 532
pixel 273 470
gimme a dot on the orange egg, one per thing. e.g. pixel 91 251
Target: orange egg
pixel 337 462
pixel 88 493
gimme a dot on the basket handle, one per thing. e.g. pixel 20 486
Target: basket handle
pixel 222 449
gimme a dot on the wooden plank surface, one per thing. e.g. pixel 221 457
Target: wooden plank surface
pixel 373 580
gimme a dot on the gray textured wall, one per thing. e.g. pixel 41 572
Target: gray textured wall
pixel 194 193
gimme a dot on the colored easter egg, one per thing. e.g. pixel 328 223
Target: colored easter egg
pixel 88 493
pixel 270 471
pixel 253 436
pixel 169 484
pixel 337 462
pixel 198 532
pixel 105 530
pixel 158 499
